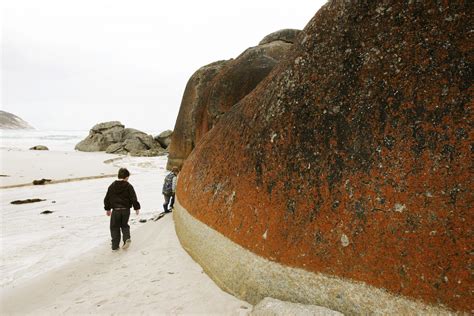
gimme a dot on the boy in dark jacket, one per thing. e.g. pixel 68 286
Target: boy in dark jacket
pixel 119 199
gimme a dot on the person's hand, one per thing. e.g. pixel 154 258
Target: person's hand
pixel 108 213
pixel 137 211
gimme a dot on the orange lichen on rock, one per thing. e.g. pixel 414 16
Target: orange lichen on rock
pixel 353 157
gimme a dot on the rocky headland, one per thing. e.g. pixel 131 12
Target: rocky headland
pixel 11 121
pixel 342 177
pixel 112 137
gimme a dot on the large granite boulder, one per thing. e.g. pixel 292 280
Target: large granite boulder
pixel 235 80
pixel 113 137
pixel 214 89
pixel 11 121
pixel 183 139
pixel 349 165
pixel 101 136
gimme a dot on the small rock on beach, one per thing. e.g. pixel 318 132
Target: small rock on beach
pixel 39 147
pixel 26 201
pixel 41 182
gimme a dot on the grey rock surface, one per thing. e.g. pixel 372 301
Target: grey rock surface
pixel 164 138
pixel 129 133
pixel 106 126
pixel 94 142
pixel 116 148
pixel 285 35
pixel 149 142
pixel 112 137
pixel 272 307
pixel 134 145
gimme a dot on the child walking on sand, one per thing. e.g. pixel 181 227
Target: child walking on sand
pixel 119 199
pixel 169 189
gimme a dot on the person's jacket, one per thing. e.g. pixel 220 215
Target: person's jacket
pixel 169 185
pixel 121 194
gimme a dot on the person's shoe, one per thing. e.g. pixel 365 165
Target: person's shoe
pixel 115 249
pixel 126 244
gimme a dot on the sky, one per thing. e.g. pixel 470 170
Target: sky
pixel 67 65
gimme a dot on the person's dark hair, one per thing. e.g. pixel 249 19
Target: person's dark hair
pixel 123 173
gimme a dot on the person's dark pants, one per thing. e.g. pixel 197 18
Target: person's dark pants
pixel 119 221
pixel 169 200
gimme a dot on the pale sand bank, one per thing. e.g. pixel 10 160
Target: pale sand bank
pixel 19 166
pixel 154 276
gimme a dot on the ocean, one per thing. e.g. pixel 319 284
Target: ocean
pixel 55 140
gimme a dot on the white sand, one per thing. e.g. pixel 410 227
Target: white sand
pixel 154 276
pixel 61 263
pixel 24 166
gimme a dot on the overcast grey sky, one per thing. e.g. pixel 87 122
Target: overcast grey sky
pixel 71 64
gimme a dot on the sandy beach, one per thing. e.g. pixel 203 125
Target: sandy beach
pixel 19 167
pixel 61 263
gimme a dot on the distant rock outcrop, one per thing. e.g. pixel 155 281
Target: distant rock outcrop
pixel 214 89
pixel 11 121
pixel 348 169
pixel 112 137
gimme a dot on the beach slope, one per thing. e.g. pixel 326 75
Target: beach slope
pixel 154 276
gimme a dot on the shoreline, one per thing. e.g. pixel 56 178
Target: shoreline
pixel 59 181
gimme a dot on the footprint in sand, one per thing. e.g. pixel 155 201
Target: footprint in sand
pixel 101 302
